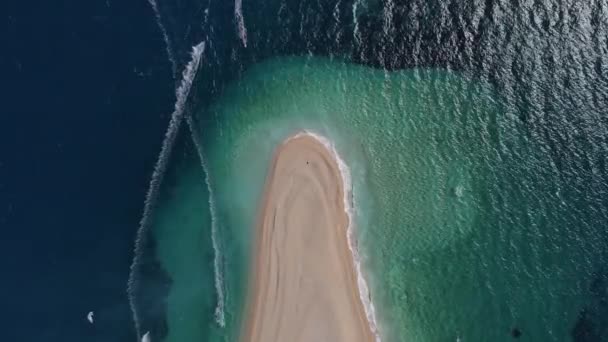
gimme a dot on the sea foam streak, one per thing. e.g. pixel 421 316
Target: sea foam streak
pixel 364 293
pixel 217 265
pixel 165 36
pixel 219 310
pixel 181 93
pixel 240 21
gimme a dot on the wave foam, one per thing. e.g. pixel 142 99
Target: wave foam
pixel 165 37
pixel 217 267
pixel 364 292
pixel 181 93
pixel 240 21
pixel 219 310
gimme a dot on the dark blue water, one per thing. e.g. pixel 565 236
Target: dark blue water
pixel 86 92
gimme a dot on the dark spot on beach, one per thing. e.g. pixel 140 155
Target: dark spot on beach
pixel 515 332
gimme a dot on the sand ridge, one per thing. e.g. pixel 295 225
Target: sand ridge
pixel 303 284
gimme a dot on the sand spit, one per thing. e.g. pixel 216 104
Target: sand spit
pixel 305 284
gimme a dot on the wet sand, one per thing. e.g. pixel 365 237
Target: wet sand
pixel 303 285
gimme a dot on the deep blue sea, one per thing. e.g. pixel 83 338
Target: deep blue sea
pixel 91 91
pixel 86 95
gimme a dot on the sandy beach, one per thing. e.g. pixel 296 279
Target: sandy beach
pixel 303 284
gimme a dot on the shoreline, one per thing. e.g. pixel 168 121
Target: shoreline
pixel 353 309
pixel 348 197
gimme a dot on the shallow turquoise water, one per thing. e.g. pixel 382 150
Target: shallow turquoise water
pixel 181 231
pixel 460 216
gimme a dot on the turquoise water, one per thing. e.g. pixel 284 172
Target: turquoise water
pixel 180 227
pixel 464 226
pixel 385 125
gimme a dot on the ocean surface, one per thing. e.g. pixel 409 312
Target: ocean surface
pixel 86 93
pixel 476 137
pixel 136 141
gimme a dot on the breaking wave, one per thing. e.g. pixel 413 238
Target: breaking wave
pixel 160 168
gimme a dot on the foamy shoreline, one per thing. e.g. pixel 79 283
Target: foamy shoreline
pixel 364 292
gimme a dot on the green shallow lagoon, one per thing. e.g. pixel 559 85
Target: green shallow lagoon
pixel 458 219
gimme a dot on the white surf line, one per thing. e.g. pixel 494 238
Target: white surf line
pixel 165 37
pixel 217 258
pixel 159 170
pixel 356 33
pixel 240 21
pixel 388 16
pixel 364 293
pixel 219 287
